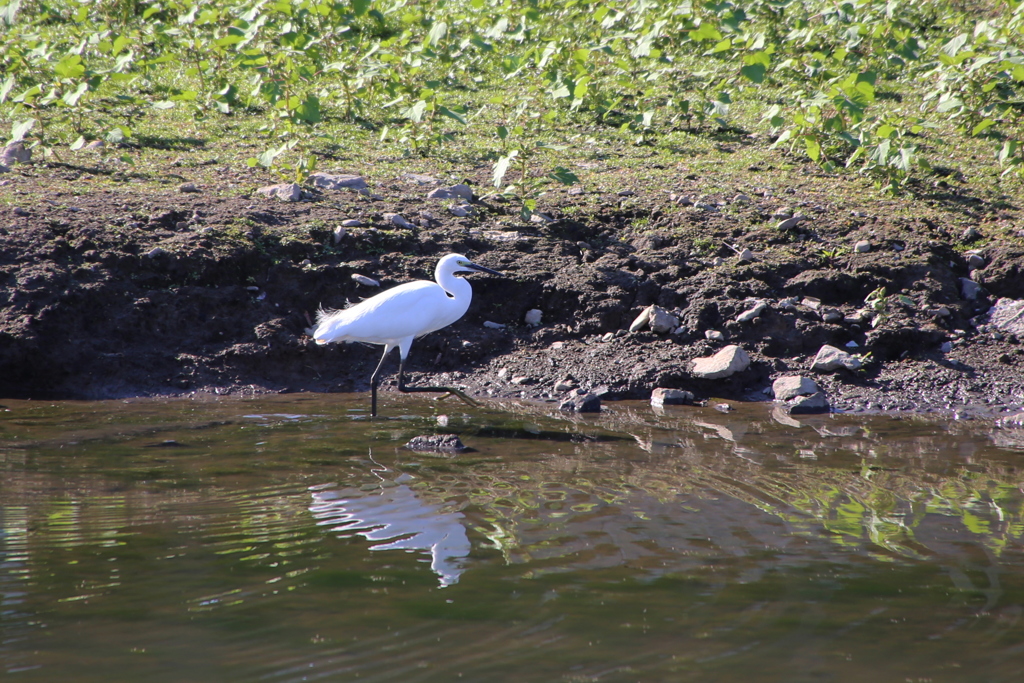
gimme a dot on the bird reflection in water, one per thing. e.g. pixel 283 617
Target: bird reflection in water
pixel 394 518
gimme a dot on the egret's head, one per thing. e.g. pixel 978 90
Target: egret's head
pixel 457 263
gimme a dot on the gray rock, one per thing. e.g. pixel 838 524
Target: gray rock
pixel 808 405
pixel 339 234
pixel 461 211
pixel 541 218
pixel 862 247
pixel 970 235
pixel 723 407
pixel 363 280
pixel 975 261
pixel 790 223
pixel 564 385
pixel 188 187
pixel 16 153
pixel 94 145
pixel 714 335
pixel 581 403
pixel 752 313
pixel 493 325
pixel 659 320
pixel 18 211
pixel 970 289
pixel 786 388
pixel 1008 316
pixel 460 191
pixel 830 359
pixel 155 252
pixel 946 347
pixel 725 363
pixel 398 220
pixel 671 397
pixel 811 303
pixel 352 223
pixel 741 199
pixel 287 192
pixel 533 317
pixel 522 380
pixel 437 443
pixel 608 336
pixel 642 320
pixel 746 256
pixel 343 181
pixel 419 179
pixel 831 315
pixel 4 169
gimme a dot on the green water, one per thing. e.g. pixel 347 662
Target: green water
pixel 293 539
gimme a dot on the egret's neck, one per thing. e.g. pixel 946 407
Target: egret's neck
pixel 457 287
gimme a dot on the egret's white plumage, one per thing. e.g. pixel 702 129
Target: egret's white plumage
pixel 399 315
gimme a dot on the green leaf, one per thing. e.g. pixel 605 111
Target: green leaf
pixel 564 176
pixel 437 33
pixel 164 104
pixel 415 112
pixel 309 109
pixel 705 32
pixel 982 127
pixel 18 130
pixel 885 131
pixel 813 149
pixel 5 89
pixel 78 144
pixel 452 114
pixel 71 97
pixel 70 67
pixel 754 72
pixel 359 7
pixel 501 167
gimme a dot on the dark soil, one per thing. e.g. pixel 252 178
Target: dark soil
pixel 112 292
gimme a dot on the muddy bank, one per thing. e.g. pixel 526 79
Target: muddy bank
pixel 110 292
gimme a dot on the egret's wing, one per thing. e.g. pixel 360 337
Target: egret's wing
pixel 408 310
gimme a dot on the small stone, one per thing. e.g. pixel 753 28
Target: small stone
pixel 585 403
pixel 18 211
pixel 437 443
pixel 946 347
pixel 975 261
pixel 752 313
pixel 862 247
pixel 329 181
pixel 352 223
pixel 398 220
pixel 460 191
pixel 460 211
pixel 541 218
pixel 181 225
pixel 830 359
pixel 718 261
pixel 811 303
pixel 831 315
pixel 608 336
pixel 942 312
pixel 671 397
pixel 785 388
pixel 852 345
pixel 969 289
pixel 15 153
pixel 746 256
pixel 741 199
pixel 642 320
pixel 339 234
pixel 533 317
pixel 522 379
pixel 662 322
pixel 723 407
pixel 363 280
pixel 970 235
pixel 626 193
pixel 576 191
pixel 1007 315
pixel 790 223
pixel 252 288
pixel 493 326
pixel 859 214
pixel 714 335
pixel 287 192
pixel 725 363
pixel 564 385
pixel 188 187
pixel 155 252
pixel 808 405
pixel 503 373
pixel 306 263
pixel 419 179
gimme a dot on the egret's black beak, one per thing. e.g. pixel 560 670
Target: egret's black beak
pixel 470 267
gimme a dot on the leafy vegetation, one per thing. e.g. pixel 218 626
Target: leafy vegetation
pixel 865 85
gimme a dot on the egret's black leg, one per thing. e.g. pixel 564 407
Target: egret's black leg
pixel 441 390
pixel 373 382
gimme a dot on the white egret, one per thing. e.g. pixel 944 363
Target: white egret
pixel 401 314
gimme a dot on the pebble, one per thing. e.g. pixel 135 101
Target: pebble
pixel 522 379
pixel 741 199
pixel 785 388
pixel 156 251
pixel 830 359
pixel 15 153
pixel 659 320
pixel 533 317
pixel 752 313
pixel 329 181
pixel 460 191
pixel 725 363
pixel 363 280
pixel 188 187
pixel 352 223
pixel 564 385
pixel 718 261
pixel 808 405
pixel 420 179
pixel 398 220
pixel 437 443
pixel 811 303
pixel 18 211
pixel 671 397
pixel 862 247
pixel 831 315
pixel 969 289
pixel 339 234
pixel 541 218
pixel 723 407
pixel 970 235
pixel 493 326
pixel 287 192
pixel 975 261
pixel 460 211
pixel 790 223
pixel 608 336
pixel 746 255
pixel 626 193
pixel 852 345
pixel 714 335
pixel 582 403
pixel 503 373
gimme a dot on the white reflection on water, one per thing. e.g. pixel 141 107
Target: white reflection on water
pixel 395 518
